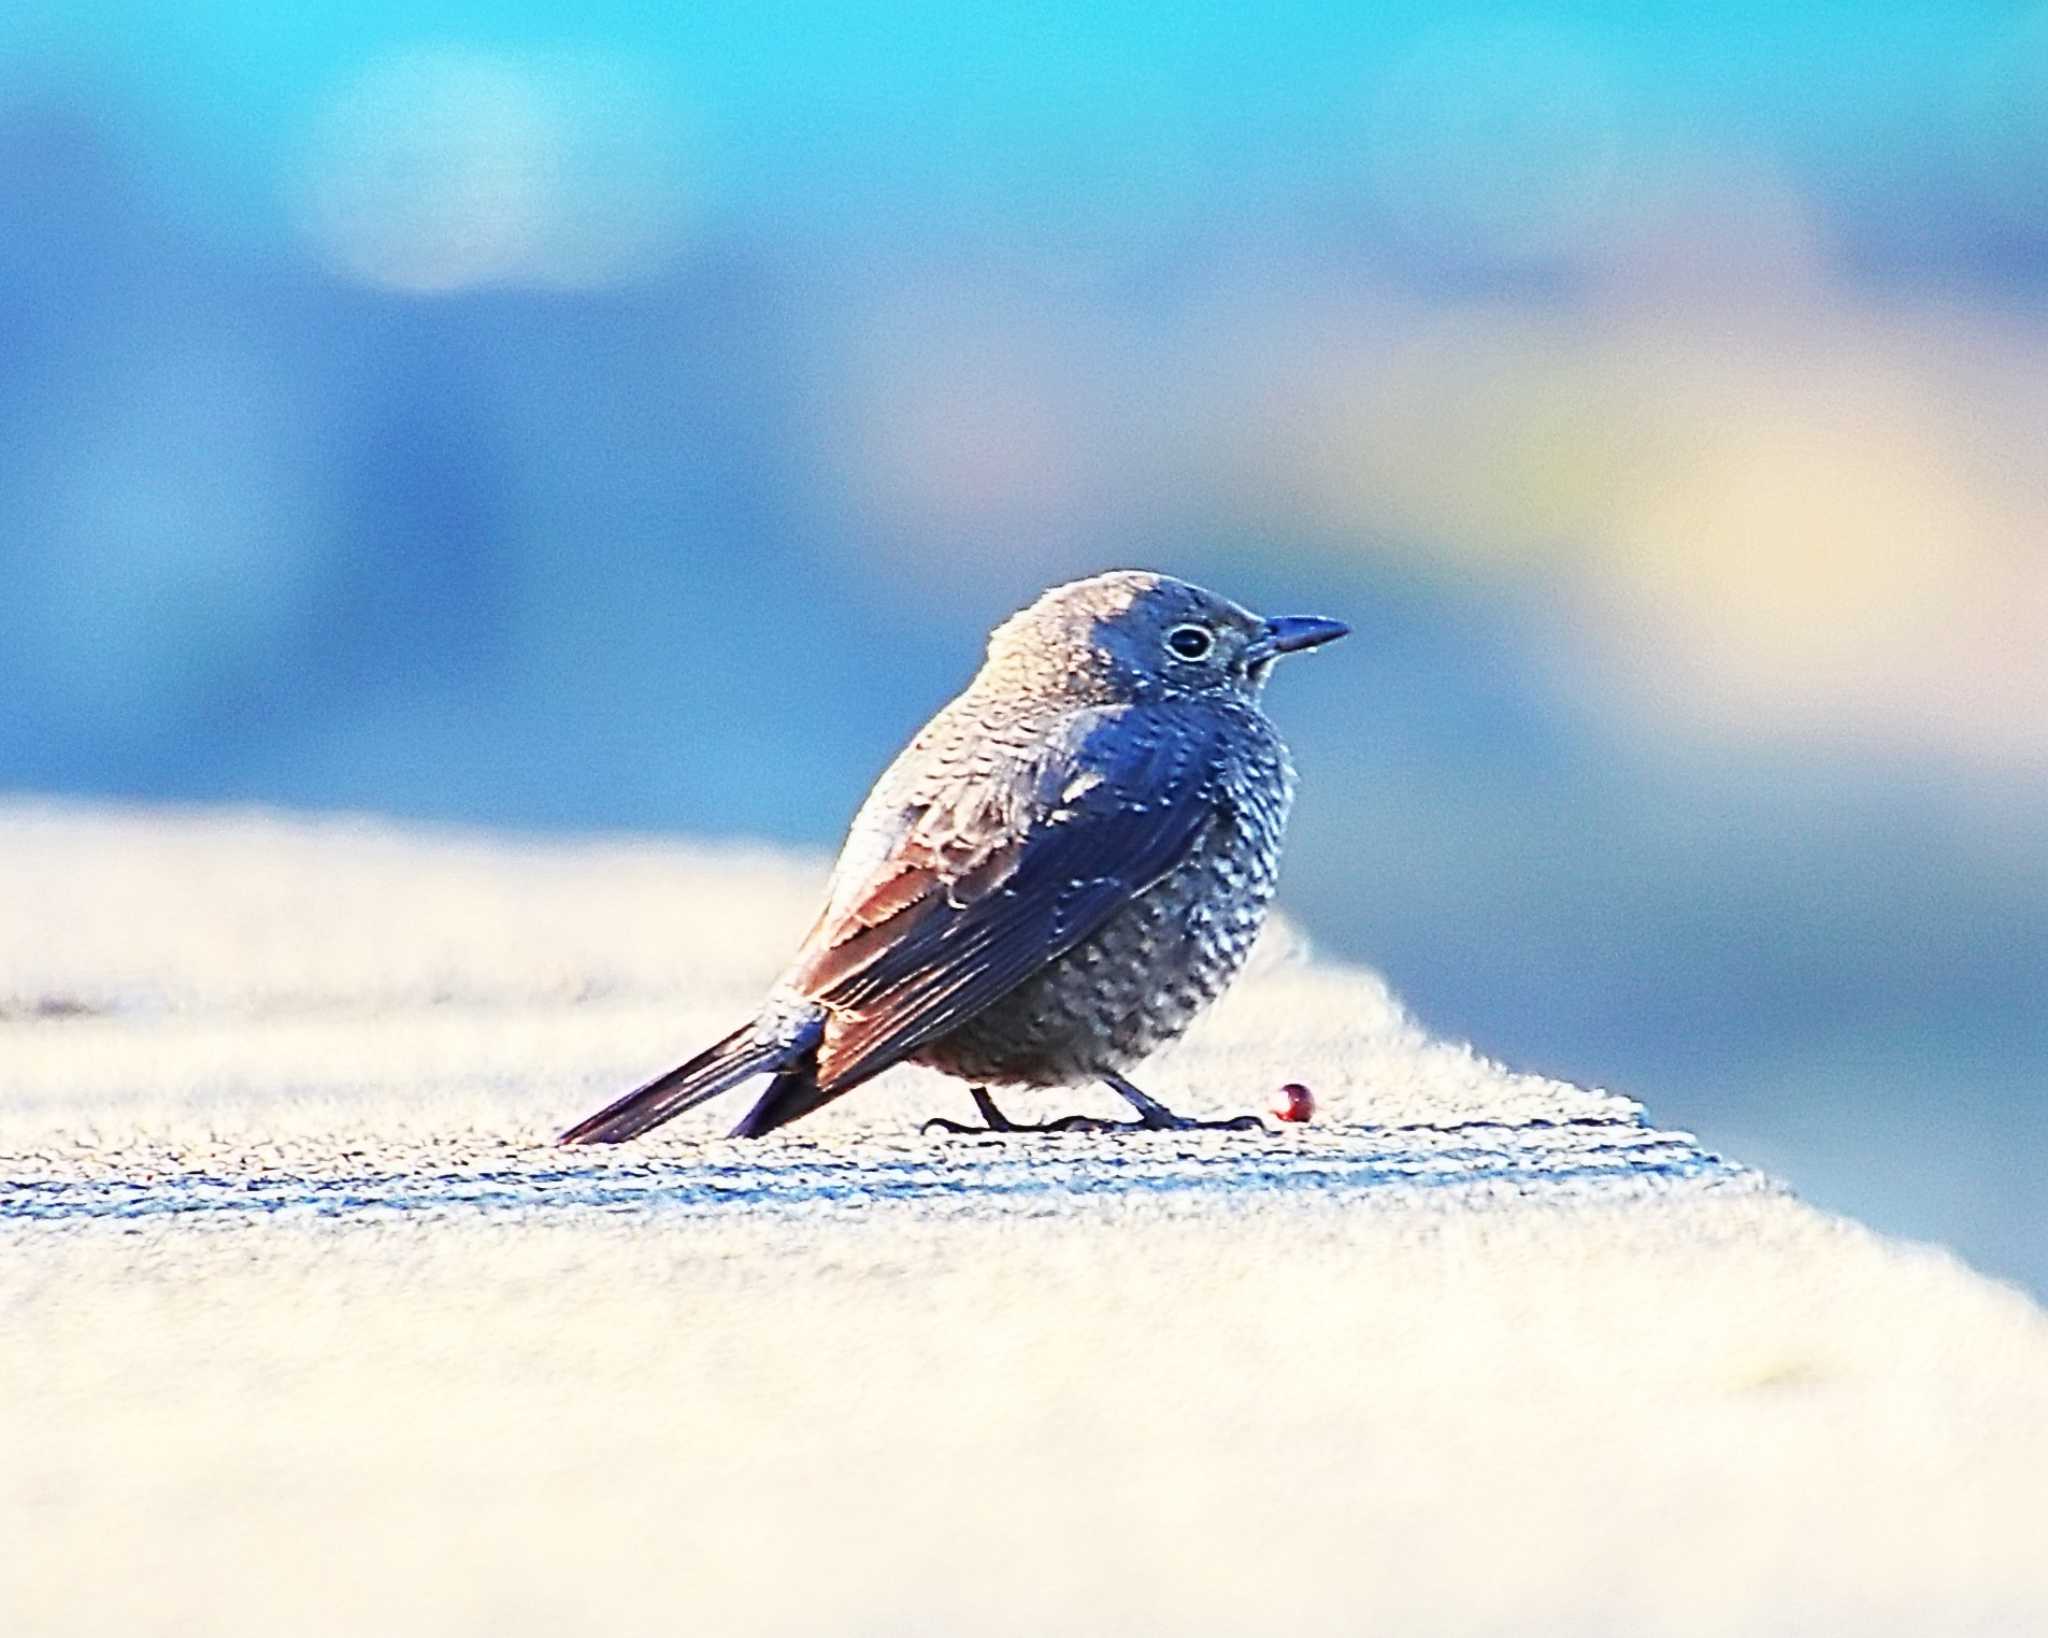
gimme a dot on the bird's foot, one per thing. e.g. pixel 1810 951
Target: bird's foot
pixel 1152 1116
pixel 1067 1123
pixel 993 1119
pixel 1170 1122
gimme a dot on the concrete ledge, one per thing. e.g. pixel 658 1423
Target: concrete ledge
pixel 308 1329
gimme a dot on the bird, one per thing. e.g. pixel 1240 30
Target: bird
pixel 1058 873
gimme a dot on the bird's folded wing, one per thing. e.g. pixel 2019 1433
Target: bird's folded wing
pixel 993 876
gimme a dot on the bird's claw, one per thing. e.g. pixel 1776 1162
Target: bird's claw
pixel 1235 1123
pixel 957 1128
pixel 1182 1123
pixel 1153 1116
pixel 1091 1123
pixel 1003 1128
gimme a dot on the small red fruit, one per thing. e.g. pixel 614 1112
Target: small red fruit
pixel 1293 1102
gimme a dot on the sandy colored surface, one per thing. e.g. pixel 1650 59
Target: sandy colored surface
pixel 307 1329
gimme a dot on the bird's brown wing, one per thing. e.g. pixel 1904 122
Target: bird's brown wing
pixel 993 877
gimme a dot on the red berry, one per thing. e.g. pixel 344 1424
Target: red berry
pixel 1293 1102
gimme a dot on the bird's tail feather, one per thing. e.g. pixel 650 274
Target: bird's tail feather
pixel 793 1092
pixel 718 1068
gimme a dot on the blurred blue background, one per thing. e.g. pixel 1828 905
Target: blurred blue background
pixel 591 416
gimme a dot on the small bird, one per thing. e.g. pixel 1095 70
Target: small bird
pixel 1053 878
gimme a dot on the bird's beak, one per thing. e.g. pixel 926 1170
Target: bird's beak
pixel 1291 633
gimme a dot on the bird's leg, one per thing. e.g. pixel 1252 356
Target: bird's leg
pixel 998 1122
pixel 995 1120
pixel 1154 1116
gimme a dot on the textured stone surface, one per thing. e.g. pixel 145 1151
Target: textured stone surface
pixel 308 1328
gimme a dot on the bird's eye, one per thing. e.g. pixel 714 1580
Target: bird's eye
pixel 1190 642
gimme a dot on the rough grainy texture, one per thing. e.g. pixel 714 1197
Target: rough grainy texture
pixel 306 1329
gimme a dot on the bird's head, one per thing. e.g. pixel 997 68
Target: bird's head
pixel 1132 635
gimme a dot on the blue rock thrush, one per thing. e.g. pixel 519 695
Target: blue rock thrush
pixel 1066 864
